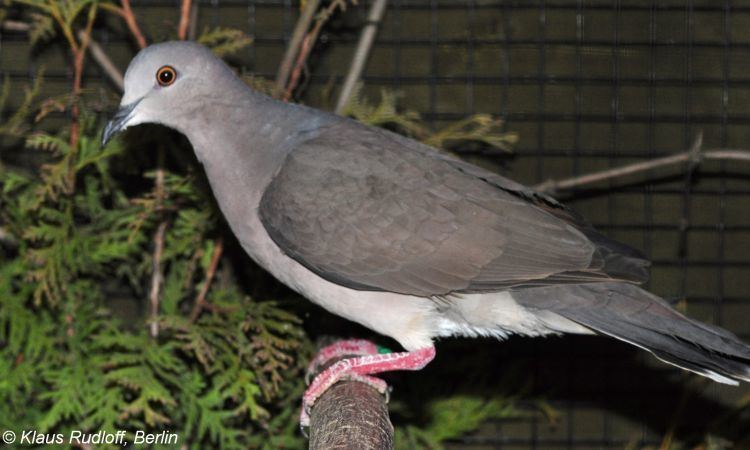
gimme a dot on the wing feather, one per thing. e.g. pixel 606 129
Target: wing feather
pixel 372 210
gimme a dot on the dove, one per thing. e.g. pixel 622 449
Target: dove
pixel 392 234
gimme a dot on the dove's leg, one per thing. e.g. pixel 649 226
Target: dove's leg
pixel 359 368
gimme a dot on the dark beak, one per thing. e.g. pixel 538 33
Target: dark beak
pixel 118 122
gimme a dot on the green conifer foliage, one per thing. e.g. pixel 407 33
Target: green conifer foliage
pixel 80 346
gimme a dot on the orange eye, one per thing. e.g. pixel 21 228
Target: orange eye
pixel 166 75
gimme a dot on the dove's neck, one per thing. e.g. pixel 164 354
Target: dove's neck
pixel 243 141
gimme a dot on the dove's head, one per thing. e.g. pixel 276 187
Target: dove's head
pixel 166 82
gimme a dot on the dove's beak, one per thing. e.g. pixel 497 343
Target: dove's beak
pixel 118 122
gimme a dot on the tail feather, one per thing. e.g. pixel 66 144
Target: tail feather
pixel 628 313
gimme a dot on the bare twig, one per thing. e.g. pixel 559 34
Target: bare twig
pixel 79 55
pixel 366 39
pixel 14 25
pixel 304 52
pixel 200 301
pixel 307 45
pixel 182 30
pixel 54 11
pixel 127 14
pixel 193 27
pixel 156 274
pixel 350 415
pixel 156 278
pixel 97 52
pixel 101 58
pixel 691 157
pixel 303 24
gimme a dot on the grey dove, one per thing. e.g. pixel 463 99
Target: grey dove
pixel 409 242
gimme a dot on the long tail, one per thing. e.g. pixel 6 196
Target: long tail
pixel 627 312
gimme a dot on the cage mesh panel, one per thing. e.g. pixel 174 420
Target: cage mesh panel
pixel 588 85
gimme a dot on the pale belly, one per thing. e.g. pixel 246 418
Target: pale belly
pixel 412 321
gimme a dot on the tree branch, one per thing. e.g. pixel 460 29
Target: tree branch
pixel 303 24
pixel 54 11
pixel 79 56
pixel 156 278
pixel 307 44
pixel 200 301
pixel 350 415
pixel 192 32
pixel 96 50
pixel 106 64
pixel 366 39
pixel 14 25
pixel 129 17
pixel 182 30
pixel 692 156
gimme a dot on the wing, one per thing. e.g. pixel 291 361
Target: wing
pixel 371 210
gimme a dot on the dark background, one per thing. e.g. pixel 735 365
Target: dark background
pixel 587 85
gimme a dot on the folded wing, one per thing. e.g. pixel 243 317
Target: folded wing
pixel 370 210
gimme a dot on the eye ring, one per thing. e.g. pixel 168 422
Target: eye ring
pixel 166 75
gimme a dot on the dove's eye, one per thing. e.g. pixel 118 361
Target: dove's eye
pixel 166 75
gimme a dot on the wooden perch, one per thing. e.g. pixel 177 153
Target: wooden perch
pixel 350 416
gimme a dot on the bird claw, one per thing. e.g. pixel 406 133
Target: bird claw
pixel 359 368
pixel 349 347
pixel 304 419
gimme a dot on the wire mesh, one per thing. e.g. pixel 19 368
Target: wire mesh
pixel 587 85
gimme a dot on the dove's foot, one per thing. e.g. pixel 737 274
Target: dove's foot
pixel 349 347
pixel 370 361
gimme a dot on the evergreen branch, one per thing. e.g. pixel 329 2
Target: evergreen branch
pixel 42 27
pixel 54 11
pixel 41 4
pixel 15 125
pixel 479 128
pixel 453 417
pixel 223 41
pixel 39 31
pixel 79 53
pixel 46 142
pixel 385 113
